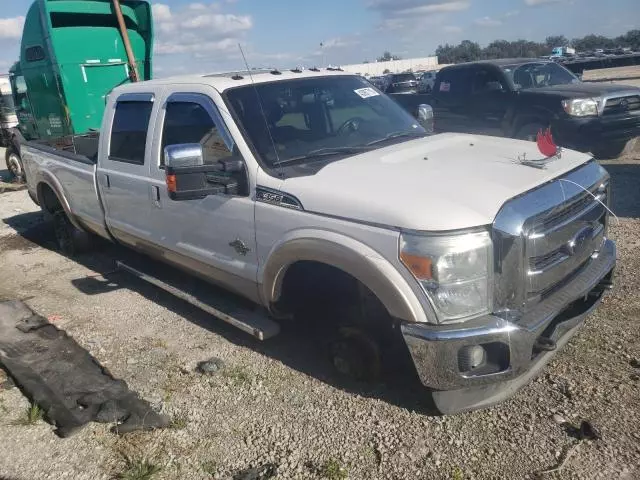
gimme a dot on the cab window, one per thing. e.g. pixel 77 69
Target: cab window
pixel 190 122
pixel 129 132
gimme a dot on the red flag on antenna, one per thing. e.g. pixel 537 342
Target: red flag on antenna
pixel 545 142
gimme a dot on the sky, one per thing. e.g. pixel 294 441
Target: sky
pixel 198 37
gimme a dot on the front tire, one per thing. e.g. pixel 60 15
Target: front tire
pixel 614 150
pixel 356 354
pixel 14 164
pixel 529 132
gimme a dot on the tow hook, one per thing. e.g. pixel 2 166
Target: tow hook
pixel 544 344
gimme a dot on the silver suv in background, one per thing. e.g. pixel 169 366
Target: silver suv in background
pixel 427 81
pixel 400 83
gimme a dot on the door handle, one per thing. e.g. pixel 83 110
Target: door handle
pixel 107 182
pixel 155 193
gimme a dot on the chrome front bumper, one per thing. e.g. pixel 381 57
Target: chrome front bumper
pixel 514 349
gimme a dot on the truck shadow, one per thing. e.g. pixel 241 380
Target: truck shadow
pixel 625 183
pixel 297 345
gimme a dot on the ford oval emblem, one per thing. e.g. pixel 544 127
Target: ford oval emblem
pixel 579 241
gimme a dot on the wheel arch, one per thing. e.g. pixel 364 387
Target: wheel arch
pixel 49 194
pixel 534 115
pixel 349 256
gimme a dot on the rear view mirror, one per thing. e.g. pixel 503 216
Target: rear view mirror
pixel 425 117
pixel 189 178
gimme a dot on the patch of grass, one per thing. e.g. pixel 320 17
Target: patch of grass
pixel 237 375
pixel 332 470
pixel 32 415
pixel 457 474
pixel 179 421
pixel 138 469
pixel 160 343
pixel 210 467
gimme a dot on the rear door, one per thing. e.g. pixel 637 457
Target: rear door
pixel 451 100
pixel 123 168
pixel 489 101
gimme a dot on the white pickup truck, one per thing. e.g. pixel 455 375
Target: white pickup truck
pixel 314 192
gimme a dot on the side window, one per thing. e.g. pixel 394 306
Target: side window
pixel 189 122
pixel 454 81
pixel 485 80
pixel 129 132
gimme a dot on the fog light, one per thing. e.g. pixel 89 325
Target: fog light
pixel 471 357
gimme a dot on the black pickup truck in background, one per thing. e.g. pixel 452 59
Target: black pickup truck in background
pixel 518 97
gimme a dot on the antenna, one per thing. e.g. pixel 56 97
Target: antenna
pixel 264 116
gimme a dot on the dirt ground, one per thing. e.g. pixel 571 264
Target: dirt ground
pixel 278 406
pixel 619 74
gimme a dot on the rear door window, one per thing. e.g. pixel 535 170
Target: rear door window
pixel 454 82
pixel 129 132
pixel 486 80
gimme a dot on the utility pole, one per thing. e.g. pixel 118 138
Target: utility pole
pixel 133 66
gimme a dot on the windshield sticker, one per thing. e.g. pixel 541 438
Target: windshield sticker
pixel 445 87
pixel 366 92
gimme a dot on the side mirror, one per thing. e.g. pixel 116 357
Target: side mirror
pixel 184 155
pixel 425 117
pixel 189 178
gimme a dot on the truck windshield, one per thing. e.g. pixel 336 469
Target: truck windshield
pixel 310 119
pixel 538 74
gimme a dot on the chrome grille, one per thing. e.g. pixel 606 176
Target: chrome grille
pixel 546 236
pixel 622 104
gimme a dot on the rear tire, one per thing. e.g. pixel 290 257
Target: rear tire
pixel 614 150
pixel 530 131
pixel 70 239
pixel 14 164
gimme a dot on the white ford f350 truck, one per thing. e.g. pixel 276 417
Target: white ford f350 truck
pixel 313 190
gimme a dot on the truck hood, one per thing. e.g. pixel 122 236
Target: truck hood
pixel 577 90
pixel 443 182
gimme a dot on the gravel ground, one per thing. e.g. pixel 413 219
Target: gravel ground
pixel 277 405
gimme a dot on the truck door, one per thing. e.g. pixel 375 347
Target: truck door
pixel 123 169
pixel 451 100
pixel 488 102
pixel 214 235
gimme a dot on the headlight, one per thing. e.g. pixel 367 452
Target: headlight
pixel 455 272
pixel 581 107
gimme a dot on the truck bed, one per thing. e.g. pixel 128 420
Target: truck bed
pixel 67 165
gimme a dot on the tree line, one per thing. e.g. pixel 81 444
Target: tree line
pixel 468 51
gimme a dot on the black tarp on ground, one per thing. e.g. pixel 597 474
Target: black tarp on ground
pixel 72 388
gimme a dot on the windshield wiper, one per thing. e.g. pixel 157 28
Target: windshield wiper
pixel 401 134
pixel 323 152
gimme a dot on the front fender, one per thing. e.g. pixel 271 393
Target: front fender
pixel 348 255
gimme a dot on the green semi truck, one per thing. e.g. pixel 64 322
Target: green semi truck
pixel 72 54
